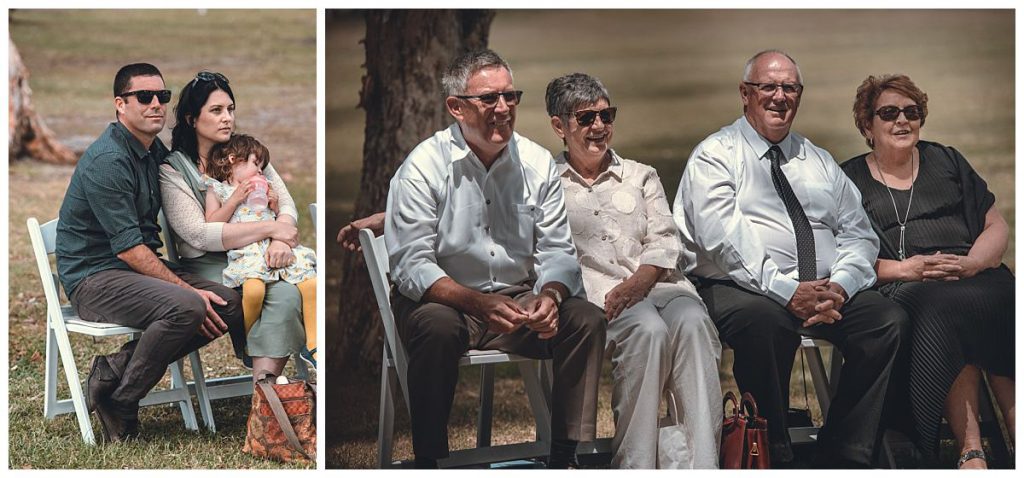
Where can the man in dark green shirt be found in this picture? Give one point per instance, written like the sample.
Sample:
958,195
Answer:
107,241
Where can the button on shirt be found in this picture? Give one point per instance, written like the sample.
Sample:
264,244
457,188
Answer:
735,226
111,205
619,223
448,216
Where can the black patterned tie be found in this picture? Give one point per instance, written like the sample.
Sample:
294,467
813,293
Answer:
805,258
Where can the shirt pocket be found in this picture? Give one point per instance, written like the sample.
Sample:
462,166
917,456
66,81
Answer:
524,225
459,230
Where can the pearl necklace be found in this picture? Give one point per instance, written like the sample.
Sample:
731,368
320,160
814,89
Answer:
902,223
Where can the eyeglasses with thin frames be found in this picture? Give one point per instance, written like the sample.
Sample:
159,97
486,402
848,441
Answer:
768,89
511,98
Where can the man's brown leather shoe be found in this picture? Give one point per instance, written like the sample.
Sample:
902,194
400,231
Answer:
101,382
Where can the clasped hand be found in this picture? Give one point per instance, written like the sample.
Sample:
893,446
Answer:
505,315
817,302
938,267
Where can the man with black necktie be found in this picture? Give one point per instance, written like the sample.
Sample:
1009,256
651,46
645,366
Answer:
779,245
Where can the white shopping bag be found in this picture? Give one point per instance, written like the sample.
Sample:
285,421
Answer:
674,451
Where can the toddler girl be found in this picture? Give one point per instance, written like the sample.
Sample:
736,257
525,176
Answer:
238,192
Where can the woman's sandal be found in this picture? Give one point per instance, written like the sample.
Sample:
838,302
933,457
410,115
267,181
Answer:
307,356
970,455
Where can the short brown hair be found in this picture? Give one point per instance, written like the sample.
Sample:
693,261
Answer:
869,91
239,146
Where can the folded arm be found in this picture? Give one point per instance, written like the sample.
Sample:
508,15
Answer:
187,216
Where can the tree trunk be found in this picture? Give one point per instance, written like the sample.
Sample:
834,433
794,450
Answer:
29,135
406,55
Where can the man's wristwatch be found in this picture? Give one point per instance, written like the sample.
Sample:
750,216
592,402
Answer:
557,296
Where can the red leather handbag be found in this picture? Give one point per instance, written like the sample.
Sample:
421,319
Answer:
744,435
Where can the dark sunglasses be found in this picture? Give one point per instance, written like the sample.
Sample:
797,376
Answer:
512,98
587,117
146,96
890,113
210,76
788,89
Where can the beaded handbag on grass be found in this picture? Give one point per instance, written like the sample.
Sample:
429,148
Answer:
282,421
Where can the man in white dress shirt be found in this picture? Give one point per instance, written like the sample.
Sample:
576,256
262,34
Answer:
780,245
482,258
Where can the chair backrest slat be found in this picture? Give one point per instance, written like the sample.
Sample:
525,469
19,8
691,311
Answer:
44,243
168,238
375,253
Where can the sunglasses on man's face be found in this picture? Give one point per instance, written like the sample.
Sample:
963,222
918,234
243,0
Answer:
146,96
511,98
890,113
587,117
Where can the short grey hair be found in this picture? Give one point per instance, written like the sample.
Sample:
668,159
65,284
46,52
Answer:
454,80
750,63
567,93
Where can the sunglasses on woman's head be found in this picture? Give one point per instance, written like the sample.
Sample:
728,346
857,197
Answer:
146,96
210,76
587,117
890,113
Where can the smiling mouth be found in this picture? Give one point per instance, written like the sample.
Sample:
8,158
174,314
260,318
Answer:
902,132
598,138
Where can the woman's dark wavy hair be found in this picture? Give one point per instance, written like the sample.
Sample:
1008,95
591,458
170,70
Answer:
190,102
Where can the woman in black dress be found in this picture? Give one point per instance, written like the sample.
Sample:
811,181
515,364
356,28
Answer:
942,240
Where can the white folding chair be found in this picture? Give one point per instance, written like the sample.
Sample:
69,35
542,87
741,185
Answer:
826,383
312,214
395,365
60,320
209,389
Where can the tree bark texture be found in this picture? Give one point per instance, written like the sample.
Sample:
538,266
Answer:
29,135
406,55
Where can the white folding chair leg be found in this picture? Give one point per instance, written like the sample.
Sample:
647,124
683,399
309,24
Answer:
50,401
483,421
199,379
75,386
178,384
534,378
818,377
386,430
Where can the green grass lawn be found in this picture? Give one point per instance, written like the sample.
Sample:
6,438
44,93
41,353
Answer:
270,58
674,76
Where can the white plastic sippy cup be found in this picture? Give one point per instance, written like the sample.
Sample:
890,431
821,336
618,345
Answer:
258,197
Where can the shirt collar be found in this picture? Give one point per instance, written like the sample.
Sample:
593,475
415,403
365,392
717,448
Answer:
136,146
789,145
461,150
614,168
